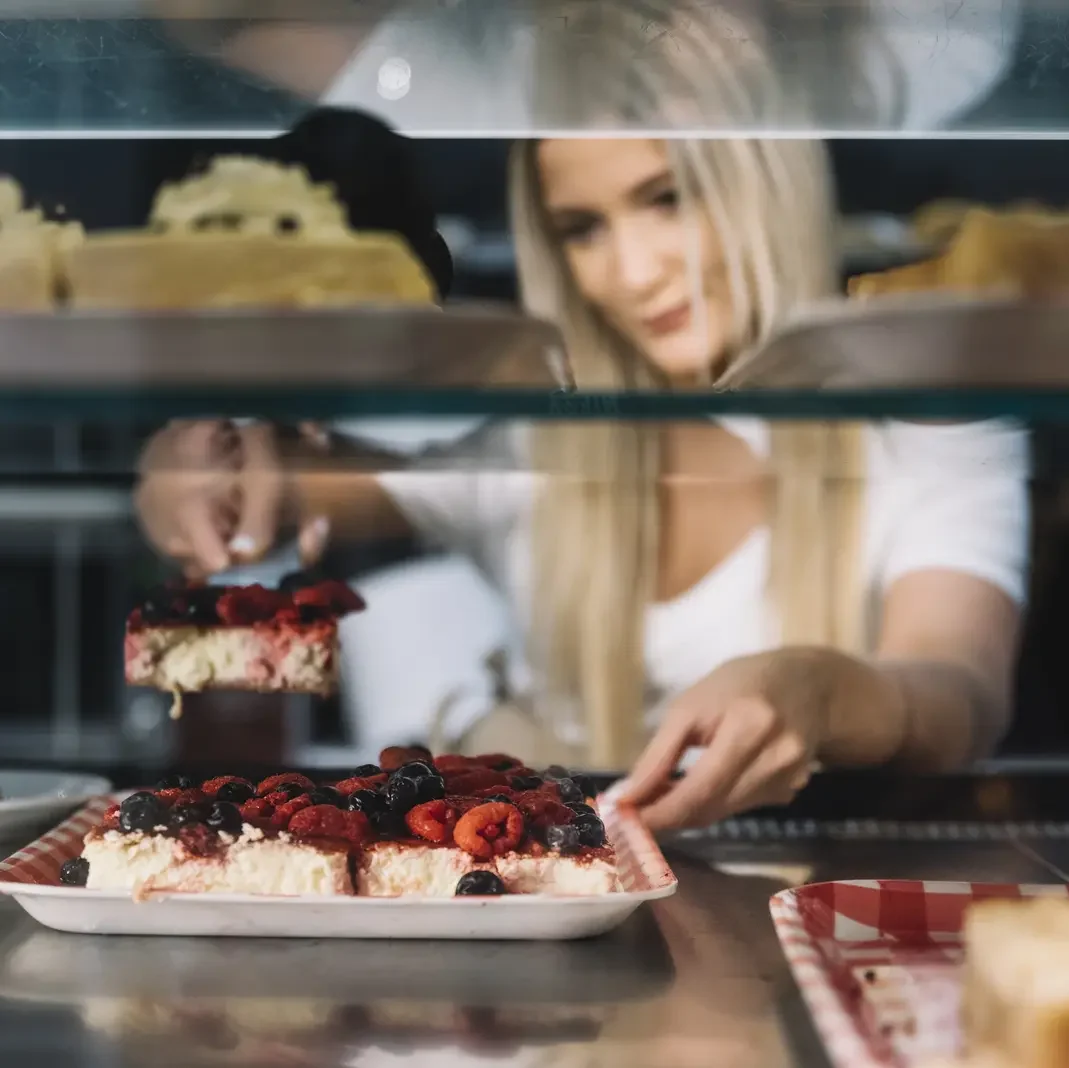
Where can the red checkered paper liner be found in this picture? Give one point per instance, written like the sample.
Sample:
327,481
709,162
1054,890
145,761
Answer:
40,861
640,862
878,963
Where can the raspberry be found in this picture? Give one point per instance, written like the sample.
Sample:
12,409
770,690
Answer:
494,791
211,787
326,821
273,782
432,821
498,762
460,805
453,762
359,782
199,840
245,605
542,810
333,595
489,830
467,782
110,818
392,758
176,796
286,811
259,808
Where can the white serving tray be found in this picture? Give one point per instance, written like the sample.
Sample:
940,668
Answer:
30,800
31,878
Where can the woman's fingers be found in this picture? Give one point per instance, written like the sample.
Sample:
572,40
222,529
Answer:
261,493
739,739
780,771
312,540
200,532
654,767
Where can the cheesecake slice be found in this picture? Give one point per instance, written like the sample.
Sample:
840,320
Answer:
391,830
193,638
1016,987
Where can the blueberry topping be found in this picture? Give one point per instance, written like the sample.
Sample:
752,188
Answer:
503,765
586,785
237,792
365,771
140,812
430,788
224,817
156,607
300,580
188,815
289,790
525,782
564,838
570,791
367,801
415,769
581,809
176,782
591,831
480,884
555,772
200,604
313,613
401,794
75,872
389,824
326,795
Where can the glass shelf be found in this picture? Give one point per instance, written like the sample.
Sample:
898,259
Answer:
463,67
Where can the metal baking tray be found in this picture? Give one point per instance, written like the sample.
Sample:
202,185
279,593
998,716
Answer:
914,343
355,347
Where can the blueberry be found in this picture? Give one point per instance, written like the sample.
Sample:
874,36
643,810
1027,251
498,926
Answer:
570,791
157,606
591,831
300,580
224,817
389,824
586,785
555,772
415,769
187,815
503,765
430,788
366,801
237,792
289,790
480,883
199,604
176,782
313,613
326,795
75,872
365,771
140,812
564,838
525,782
401,794
581,809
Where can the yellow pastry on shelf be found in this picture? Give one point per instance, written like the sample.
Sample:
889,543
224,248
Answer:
247,232
1020,252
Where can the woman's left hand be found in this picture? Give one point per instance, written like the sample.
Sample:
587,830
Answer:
762,722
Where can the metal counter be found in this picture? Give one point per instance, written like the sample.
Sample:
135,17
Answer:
695,980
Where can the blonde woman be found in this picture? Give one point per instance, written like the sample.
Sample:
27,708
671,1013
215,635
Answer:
772,594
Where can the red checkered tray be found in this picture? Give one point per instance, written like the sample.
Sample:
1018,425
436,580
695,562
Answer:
878,963
31,877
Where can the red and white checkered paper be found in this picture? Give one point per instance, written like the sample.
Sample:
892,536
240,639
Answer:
31,876
878,963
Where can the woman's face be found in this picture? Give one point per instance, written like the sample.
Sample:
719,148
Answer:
615,209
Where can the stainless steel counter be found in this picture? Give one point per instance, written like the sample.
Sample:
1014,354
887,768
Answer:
696,980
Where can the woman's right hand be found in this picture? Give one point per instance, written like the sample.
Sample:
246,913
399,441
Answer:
211,495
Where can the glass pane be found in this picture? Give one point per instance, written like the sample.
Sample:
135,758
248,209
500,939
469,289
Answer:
520,67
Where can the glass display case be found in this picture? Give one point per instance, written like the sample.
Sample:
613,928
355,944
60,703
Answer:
934,116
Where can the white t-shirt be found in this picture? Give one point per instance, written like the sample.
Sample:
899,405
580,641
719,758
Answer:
466,67
951,497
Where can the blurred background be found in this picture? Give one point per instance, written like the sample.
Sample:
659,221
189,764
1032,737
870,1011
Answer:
72,561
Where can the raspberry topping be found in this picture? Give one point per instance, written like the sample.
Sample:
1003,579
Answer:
211,787
258,809
326,821
432,821
286,811
359,782
489,830
453,762
273,782
174,797
335,596
467,782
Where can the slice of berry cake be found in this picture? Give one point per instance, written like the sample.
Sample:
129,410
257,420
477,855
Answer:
193,638
411,825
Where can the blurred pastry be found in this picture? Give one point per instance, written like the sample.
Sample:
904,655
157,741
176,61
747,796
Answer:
247,232
30,252
1022,252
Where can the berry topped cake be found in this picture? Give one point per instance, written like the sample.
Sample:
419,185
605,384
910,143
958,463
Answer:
192,638
409,825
